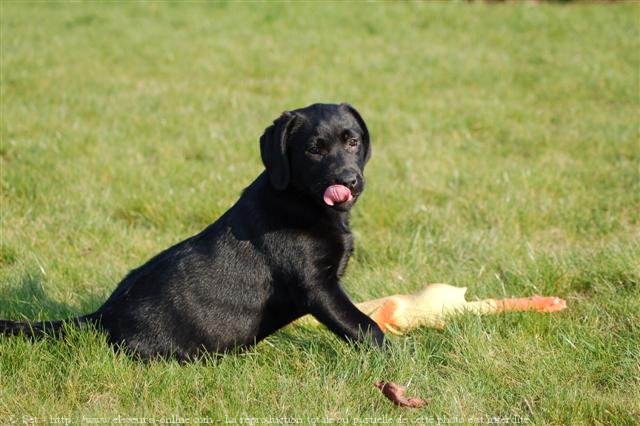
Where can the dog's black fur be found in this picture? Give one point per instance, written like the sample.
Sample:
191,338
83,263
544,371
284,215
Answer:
274,256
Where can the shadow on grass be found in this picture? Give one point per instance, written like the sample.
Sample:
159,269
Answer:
28,301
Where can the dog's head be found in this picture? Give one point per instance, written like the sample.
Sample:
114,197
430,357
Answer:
321,151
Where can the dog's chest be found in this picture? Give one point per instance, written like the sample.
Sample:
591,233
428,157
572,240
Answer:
334,250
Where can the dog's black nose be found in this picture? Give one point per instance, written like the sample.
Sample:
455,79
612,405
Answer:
350,181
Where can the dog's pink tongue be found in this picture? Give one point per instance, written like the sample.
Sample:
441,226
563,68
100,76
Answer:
336,194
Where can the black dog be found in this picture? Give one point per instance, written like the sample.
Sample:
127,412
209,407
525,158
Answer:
276,255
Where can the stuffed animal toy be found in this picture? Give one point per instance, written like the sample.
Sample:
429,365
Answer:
434,303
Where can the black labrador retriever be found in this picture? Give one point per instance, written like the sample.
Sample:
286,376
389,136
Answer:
274,256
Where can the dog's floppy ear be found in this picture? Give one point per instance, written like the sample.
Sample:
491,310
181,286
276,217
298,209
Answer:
363,126
273,150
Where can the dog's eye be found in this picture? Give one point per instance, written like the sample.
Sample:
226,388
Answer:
353,142
316,150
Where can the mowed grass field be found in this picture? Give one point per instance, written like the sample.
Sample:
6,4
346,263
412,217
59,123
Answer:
506,159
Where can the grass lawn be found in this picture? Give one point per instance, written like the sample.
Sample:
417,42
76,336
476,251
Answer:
506,158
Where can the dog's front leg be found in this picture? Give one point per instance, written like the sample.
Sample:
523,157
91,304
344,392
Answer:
331,306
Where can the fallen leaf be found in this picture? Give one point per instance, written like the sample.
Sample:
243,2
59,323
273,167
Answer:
396,392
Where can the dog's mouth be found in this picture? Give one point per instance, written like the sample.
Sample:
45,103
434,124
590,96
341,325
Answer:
337,194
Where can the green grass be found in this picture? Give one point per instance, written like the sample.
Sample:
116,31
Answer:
506,158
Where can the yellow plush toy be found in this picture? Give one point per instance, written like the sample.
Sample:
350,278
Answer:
432,305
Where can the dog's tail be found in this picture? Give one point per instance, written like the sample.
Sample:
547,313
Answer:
41,329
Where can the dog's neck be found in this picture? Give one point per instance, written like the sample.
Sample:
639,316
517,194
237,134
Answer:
298,206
